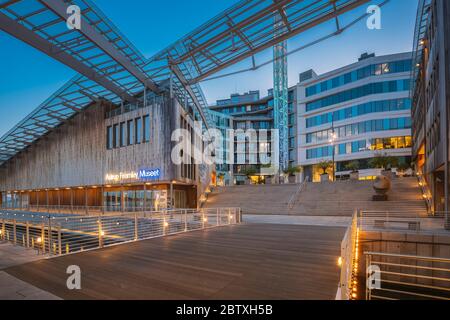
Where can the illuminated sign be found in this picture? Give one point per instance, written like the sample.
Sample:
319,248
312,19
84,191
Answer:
142,174
149,174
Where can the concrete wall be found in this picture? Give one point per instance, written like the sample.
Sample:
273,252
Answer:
76,155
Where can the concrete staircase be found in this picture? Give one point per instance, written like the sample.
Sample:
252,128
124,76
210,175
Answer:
254,199
342,198
319,199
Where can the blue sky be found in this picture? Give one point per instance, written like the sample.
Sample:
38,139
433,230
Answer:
28,77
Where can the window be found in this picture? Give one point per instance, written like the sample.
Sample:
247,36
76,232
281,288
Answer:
372,70
146,128
109,138
122,134
130,132
116,136
372,88
138,127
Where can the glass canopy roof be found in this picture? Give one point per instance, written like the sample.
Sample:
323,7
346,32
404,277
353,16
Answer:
112,70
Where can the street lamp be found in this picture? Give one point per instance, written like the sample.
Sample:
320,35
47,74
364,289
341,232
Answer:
332,141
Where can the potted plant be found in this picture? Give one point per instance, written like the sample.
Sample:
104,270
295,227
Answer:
221,179
291,173
325,166
383,162
353,167
250,172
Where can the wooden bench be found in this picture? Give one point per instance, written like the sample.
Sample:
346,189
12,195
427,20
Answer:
412,225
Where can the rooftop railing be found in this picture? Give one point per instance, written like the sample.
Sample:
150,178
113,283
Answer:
404,221
59,234
406,277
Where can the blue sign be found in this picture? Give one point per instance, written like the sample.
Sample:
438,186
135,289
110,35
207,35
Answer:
149,174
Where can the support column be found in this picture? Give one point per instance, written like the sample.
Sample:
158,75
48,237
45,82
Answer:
59,200
171,196
122,198
46,199
71,201
86,200
145,198
102,200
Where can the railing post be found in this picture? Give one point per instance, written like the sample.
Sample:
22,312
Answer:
136,230
59,241
3,230
203,219
185,220
43,238
165,223
50,235
27,231
15,232
218,216
100,233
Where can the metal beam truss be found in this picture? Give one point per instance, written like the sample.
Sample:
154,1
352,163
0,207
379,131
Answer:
280,95
112,69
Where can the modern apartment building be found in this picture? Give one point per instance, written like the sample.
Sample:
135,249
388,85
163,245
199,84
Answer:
250,111
431,101
356,112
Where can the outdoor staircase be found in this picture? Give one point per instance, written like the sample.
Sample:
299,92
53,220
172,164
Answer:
254,199
319,199
342,198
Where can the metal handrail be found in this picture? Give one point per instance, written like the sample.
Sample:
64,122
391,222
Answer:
426,193
431,281
58,235
416,221
348,261
299,190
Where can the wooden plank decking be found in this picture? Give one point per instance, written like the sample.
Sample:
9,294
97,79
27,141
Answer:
249,261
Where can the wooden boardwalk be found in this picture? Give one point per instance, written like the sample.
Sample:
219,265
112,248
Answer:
249,261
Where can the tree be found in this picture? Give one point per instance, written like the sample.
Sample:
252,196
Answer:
250,172
353,166
380,161
292,170
403,166
325,166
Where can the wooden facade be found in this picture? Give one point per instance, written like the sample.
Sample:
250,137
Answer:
69,166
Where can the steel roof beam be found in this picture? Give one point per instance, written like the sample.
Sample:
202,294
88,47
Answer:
60,9
20,32
267,44
189,90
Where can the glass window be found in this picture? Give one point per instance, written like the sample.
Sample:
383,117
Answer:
146,128
130,132
116,136
122,134
109,137
138,127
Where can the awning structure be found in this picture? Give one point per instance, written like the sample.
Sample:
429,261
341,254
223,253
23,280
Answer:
111,69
